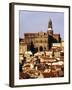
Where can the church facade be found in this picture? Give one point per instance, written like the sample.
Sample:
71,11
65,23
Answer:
42,40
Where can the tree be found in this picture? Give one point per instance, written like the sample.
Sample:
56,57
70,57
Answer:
32,48
41,48
50,41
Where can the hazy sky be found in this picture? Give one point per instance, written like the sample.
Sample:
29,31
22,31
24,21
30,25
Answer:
36,21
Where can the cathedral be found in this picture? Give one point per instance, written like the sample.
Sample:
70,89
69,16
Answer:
42,40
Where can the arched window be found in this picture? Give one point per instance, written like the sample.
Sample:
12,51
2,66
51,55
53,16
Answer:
36,49
41,41
44,48
41,48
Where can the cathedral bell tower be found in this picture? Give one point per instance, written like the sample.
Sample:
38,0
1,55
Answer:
50,28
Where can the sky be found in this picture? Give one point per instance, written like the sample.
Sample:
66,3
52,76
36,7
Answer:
36,21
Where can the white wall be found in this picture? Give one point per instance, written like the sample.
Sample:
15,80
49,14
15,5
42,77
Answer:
4,43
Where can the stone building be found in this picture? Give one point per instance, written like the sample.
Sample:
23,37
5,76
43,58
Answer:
42,40
22,49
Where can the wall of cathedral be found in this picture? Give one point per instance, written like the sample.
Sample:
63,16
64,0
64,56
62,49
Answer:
42,39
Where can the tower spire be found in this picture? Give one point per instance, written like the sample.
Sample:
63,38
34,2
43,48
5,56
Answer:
50,28
50,24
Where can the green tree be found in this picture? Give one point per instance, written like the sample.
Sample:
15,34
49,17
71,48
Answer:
32,48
